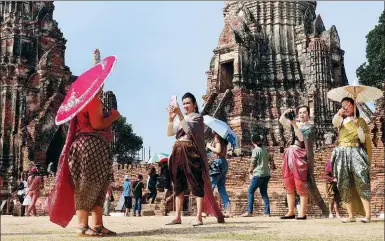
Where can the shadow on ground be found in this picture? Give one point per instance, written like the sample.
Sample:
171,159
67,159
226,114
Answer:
189,230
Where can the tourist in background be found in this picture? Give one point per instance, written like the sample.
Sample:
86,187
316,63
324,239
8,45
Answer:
108,200
296,159
260,165
138,188
188,162
332,191
127,195
51,169
165,179
21,192
351,161
218,169
35,183
151,184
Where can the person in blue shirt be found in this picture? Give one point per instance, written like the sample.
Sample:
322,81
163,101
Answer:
127,196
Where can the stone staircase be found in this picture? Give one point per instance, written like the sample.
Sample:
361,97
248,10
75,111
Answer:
156,209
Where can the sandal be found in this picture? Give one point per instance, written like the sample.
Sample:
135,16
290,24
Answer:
365,220
99,230
196,223
87,232
174,222
348,220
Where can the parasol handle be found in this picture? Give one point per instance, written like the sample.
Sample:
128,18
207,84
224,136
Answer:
355,103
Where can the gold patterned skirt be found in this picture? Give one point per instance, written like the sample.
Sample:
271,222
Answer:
351,167
90,166
332,192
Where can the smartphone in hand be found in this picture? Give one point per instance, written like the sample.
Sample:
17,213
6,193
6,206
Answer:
173,101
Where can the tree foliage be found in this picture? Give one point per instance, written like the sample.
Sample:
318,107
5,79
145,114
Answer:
127,143
372,72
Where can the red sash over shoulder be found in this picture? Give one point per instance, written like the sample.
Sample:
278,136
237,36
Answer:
210,205
60,201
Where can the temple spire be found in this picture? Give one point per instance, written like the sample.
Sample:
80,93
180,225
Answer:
96,56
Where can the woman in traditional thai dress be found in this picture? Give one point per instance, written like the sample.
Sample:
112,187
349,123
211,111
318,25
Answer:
296,159
351,161
188,164
35,183
87,151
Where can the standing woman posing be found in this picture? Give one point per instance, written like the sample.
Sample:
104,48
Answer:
351,161
188,162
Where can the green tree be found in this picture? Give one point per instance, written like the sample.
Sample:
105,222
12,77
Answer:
127,143
372,72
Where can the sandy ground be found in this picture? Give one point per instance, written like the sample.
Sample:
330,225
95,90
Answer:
153,228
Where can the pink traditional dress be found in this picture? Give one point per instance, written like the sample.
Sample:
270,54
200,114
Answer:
297,157
83,171
35,183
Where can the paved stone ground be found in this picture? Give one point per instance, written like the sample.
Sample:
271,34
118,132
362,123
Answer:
153,228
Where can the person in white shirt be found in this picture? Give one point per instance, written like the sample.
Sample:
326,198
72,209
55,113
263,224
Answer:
21,192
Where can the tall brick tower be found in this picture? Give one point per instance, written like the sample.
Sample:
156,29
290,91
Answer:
34,79
273,55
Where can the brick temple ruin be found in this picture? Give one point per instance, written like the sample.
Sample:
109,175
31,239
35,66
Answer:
270,56
274,55
34,81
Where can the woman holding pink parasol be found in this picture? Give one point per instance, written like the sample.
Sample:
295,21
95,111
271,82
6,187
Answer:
85,163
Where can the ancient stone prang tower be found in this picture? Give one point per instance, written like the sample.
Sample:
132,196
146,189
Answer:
34,80
273,55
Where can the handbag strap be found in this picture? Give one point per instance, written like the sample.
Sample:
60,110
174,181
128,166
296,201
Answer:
137,185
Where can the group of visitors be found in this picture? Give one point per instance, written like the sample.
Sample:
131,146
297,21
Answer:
347,173
86,160
28,192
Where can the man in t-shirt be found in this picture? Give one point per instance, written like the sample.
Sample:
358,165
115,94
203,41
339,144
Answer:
137,190
127,196
259,172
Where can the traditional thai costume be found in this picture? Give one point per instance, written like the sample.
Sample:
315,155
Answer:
188,164
35,183
351,161
84,169
332,192
297,157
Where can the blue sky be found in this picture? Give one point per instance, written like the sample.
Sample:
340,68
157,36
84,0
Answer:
164,49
